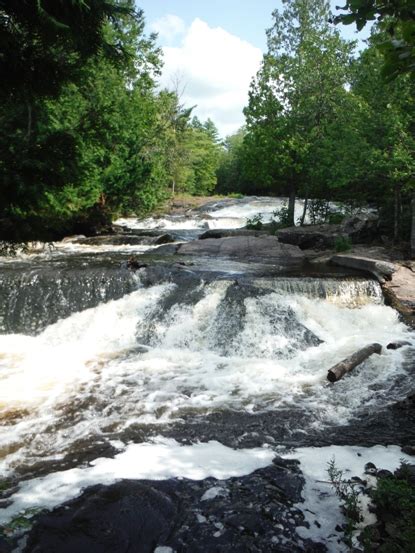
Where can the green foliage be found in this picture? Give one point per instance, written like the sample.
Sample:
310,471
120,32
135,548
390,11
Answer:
255,222
349,496
44,44
343,244
398,20
387,124
300,136
318,211
282,216
394,500
91,136
336,218
20,523
231,174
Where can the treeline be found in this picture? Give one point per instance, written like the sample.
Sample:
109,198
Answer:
85,133
325,122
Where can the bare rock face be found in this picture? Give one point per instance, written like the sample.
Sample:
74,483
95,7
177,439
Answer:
361,227
265,249
380,269
358,228
317,237
225,233
125,239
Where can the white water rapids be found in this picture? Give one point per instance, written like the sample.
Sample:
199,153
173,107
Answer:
86,376
163,352
235,215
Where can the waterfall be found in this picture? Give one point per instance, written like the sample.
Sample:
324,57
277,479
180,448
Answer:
346,291
32,299
171,348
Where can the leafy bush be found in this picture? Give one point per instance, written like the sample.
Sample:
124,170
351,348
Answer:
319,211
336,218
394,499
342,244
254,223
349,496
282,216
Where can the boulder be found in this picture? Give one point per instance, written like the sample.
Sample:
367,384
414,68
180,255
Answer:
125,239
166,249
121,229
225,233
380,269
264,249
317,237
127,516
361,227
398,344
399,292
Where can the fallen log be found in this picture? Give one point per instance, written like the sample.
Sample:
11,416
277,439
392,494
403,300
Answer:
398,344
338,371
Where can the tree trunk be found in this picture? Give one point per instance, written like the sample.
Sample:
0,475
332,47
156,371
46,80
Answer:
304,210
173,186
338,371
413,227
29,121
397,213
291,206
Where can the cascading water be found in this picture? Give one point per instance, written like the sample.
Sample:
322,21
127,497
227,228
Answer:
162,351
94,358
233,215
32,299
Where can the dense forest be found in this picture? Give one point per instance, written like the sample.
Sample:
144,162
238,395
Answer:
87,134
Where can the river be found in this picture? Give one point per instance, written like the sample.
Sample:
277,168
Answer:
189,371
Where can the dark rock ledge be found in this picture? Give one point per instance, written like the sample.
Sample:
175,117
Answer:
250,514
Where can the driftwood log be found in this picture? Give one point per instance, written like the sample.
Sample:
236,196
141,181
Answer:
338,371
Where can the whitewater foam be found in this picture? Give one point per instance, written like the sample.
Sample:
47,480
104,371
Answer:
162,459
90,374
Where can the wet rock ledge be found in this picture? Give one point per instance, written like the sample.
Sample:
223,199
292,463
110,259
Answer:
250,514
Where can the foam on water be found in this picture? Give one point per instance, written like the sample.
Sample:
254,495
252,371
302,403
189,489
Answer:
56,250
321,504
263,207
166,223
228,217
159,460
88,376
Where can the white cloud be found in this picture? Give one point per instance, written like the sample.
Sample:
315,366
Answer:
215,69
168,27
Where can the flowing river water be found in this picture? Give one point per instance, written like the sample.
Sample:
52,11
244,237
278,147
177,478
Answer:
171,371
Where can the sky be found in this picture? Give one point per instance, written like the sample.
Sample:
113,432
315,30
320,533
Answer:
212,49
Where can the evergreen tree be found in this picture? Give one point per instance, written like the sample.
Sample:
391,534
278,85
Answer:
298,97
